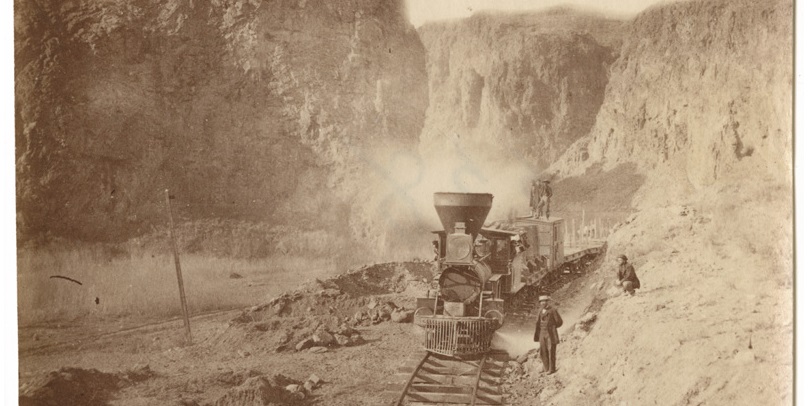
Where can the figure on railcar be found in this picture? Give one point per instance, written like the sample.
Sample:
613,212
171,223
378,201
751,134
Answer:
534,198
544,195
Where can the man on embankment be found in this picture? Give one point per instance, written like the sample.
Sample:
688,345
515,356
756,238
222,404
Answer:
626,277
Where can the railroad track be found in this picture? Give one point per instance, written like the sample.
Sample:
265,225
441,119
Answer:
522,312
441,380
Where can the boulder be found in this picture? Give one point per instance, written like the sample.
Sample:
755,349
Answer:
387,308
139,373
278,308
254,391
356,339
534,366
323,338
345,330
282,380
293,388
317,350
330,292
309,386
305,344
315,379
402,316
342,340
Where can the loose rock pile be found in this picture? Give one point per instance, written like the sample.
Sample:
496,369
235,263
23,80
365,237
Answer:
377,313
258,390
344,336
321,315
74,386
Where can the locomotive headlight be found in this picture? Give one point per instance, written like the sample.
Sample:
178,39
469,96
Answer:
459,248
461,251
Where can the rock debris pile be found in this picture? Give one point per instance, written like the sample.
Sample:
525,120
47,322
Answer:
323,315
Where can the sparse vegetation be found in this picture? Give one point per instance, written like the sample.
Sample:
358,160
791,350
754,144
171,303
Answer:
144,285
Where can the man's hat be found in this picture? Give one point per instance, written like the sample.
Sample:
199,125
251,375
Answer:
623,257
543,298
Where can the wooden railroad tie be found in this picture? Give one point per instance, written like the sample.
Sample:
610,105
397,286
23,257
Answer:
439,380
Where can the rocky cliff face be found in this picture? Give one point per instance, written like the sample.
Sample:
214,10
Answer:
518,86
700,102
254,110
701,89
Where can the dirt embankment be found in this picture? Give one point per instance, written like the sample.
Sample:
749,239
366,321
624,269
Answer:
699,101
258,111
519,86
712,322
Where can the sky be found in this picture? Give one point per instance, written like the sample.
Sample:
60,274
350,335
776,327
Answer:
421,11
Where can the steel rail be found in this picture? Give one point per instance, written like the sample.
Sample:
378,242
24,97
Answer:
478,377
411,378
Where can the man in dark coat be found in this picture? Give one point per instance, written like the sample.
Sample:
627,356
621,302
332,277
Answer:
626,277
547,325
545,194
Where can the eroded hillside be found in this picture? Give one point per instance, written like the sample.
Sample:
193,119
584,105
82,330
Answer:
700,102
248,110
704,88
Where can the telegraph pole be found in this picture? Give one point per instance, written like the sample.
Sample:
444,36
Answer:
177,270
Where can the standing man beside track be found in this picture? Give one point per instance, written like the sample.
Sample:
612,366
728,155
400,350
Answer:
547,325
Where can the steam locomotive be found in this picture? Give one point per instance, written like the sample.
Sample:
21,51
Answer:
483,268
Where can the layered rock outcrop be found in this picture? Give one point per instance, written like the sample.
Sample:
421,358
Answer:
250,110
701,89
517,86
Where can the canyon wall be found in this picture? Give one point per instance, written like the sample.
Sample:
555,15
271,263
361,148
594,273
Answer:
248,110
699,101
702,89
505,87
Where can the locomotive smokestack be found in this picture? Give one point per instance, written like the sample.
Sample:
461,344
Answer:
470,208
